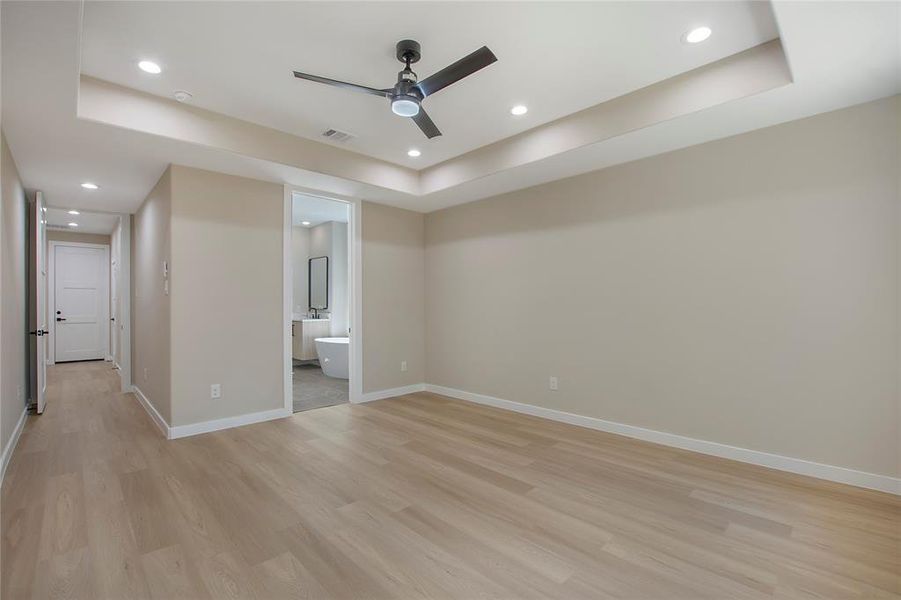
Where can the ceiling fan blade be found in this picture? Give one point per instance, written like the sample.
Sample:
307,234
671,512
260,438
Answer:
425,123
342,84
464,67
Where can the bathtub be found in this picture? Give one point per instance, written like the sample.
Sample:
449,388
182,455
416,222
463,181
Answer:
333,353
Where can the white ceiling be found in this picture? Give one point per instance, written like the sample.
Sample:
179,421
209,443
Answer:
316,210
88,222
55,151
841,53
237,58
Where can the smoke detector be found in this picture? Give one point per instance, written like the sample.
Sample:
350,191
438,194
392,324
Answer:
182,96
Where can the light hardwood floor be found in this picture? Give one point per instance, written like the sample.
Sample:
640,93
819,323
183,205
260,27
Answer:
420,496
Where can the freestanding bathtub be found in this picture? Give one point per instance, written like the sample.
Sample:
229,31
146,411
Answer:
333,353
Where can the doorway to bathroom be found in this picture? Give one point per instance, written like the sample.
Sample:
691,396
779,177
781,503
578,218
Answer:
320,285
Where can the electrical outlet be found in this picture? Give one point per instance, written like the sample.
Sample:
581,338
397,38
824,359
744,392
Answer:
145,373
403,366
215,391
19,394
552,383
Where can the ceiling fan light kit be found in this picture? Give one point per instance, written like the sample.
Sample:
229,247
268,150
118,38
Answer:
408,93
405,106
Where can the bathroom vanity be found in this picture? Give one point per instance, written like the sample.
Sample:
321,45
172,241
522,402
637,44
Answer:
305,332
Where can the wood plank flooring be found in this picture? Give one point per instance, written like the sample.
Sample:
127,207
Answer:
414,497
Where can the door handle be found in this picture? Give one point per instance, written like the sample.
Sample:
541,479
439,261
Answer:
60,319
38,333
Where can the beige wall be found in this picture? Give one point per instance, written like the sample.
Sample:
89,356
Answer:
13,320
329,239
226,294
150,306
744,291
300,254
55,235
393,297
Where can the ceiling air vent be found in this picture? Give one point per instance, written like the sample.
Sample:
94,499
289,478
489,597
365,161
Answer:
337,136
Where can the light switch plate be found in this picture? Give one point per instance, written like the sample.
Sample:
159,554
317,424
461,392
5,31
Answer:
552,383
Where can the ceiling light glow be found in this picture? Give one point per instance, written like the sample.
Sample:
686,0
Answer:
73,224
405,106
89,186
413,153
307,223
697,35
519,109
148,66
74,212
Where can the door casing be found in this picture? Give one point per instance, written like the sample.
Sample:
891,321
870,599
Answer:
355,290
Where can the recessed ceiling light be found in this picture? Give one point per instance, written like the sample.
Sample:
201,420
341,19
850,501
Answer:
74,212
413,153
697,35
148,66
182,96
519,109
307,223
73,224
89,186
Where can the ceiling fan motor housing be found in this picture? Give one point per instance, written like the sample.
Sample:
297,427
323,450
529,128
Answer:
405,98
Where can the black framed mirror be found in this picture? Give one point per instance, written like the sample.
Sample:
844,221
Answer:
317,271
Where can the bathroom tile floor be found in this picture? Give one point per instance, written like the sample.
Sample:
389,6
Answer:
314,389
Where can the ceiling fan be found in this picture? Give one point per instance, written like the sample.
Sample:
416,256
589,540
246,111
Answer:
408,93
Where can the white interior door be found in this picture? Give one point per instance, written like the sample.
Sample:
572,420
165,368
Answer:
38,322
81,297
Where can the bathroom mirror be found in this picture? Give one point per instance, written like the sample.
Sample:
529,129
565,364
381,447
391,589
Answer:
318,280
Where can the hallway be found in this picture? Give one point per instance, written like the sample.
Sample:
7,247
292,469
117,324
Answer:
417,496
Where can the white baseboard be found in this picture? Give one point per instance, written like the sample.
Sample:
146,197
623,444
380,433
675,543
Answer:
12,442
180,431
872,481
391,393
155,416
